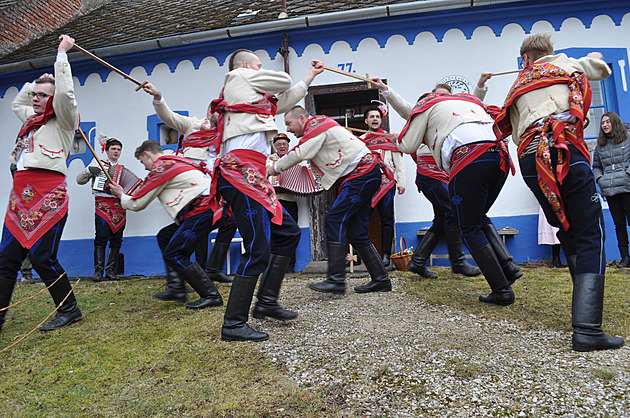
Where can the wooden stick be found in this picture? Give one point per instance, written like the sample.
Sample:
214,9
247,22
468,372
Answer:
98,160
507,72
337,70
111,67
369,132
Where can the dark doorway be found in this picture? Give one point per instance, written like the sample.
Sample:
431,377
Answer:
342,102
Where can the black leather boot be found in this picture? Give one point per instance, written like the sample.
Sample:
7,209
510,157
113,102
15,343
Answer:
175,288
555,256
488,262
6,291
99,264
235,326
379,279
201,251
196,277
214,267
111,268
418,261
68,312
588,303
387,237
269,290
336,281
511,270
458,259
625,258
571,261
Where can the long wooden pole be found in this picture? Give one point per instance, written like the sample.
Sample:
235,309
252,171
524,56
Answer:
369,132
98,160
111,67
506,72
337,70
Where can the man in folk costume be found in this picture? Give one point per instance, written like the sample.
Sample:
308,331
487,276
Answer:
199,144
432,181
458,130
247,107
390,156
109,218
337,154
182,188
38,204
545,112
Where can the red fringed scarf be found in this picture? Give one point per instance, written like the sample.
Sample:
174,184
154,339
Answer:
32,123
110,209
379,142
38,200
201,139
164,169
539,75
464,155
366,165
426,166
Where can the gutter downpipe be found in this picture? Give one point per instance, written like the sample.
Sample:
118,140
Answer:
262,27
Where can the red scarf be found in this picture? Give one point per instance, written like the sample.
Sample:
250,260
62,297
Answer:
110,209
35,121
164,169
265,106
244,169
466,154
426,166
201,139
314,126
38,200
539,75
379,142
435,98
366,165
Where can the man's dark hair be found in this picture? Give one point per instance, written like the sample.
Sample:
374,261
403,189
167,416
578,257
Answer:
148,145
43,80
236,59
298,110
372,109
423,96
442,86
112,141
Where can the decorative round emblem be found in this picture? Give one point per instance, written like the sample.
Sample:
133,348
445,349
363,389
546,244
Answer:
458,84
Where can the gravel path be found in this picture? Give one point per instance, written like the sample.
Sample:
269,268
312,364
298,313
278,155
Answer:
386,354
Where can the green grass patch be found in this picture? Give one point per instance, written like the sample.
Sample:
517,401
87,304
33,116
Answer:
134,355
543,297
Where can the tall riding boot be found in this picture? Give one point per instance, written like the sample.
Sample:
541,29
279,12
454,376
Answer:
555,256
111,268
6,290
68,312
588,303
269,290
99,263
458,259
201,251
235,326
379,280
488,262
336,281
625,258
175,288
196,277
387,236
418,261
214,266
511,270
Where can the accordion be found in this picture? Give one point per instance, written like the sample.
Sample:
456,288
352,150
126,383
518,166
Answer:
121,175
298,179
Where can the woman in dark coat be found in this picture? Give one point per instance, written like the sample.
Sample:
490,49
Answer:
611,166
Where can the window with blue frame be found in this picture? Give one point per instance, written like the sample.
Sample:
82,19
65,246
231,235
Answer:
162,133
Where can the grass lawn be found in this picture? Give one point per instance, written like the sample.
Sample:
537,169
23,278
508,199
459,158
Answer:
133,355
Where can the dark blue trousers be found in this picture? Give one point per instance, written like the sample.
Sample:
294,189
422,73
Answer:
386,209
349,217
104,234
585,236
261,237
43,254
184,238
437,193
473,191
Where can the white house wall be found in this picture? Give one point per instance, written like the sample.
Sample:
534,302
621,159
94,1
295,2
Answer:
410,66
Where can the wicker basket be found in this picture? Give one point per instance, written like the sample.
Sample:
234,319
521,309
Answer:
402,258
